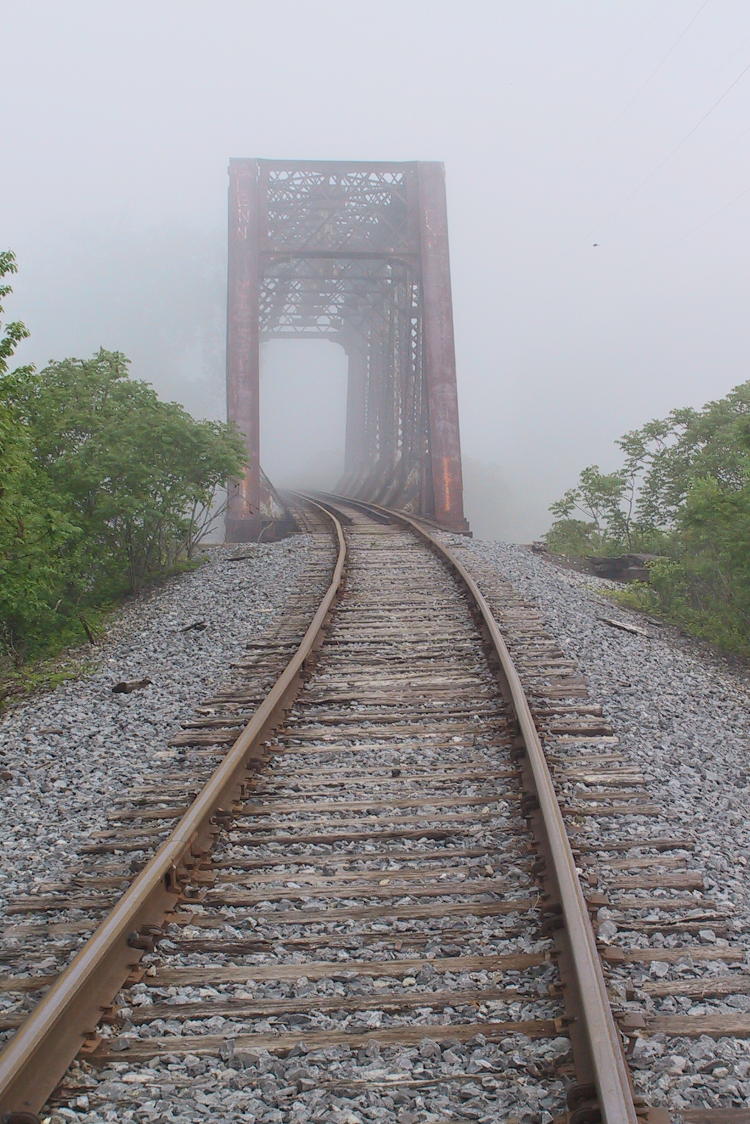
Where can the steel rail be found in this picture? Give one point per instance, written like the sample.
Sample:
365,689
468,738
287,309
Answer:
608,1066
40,1052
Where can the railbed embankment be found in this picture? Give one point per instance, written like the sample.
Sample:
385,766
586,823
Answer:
67,749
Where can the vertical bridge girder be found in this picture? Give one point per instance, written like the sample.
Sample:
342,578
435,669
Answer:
357,253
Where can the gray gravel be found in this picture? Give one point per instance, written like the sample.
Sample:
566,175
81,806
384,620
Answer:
424,1084
345,1085
692,749
681,713
72,750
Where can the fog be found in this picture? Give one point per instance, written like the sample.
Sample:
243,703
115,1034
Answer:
300,380
598,174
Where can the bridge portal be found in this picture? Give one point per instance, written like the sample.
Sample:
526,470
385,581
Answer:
358,253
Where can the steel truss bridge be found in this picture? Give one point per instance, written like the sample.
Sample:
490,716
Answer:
356,253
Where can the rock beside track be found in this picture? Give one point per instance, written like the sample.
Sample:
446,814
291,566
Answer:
71,751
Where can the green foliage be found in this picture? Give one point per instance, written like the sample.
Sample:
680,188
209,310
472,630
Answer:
103,487
33,535
137,474
576,538
41,675
599,496
669,457
684,493
15,331
636,595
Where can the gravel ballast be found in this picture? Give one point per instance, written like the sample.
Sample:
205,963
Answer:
681,718
376,967
680,713
73,750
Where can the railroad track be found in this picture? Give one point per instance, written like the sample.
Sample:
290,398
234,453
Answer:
376,871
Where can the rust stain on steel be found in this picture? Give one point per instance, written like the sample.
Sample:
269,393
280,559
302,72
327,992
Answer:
37,1056
243,345
440,352
609,1071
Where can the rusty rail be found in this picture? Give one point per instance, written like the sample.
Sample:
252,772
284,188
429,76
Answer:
604,1063
38,1055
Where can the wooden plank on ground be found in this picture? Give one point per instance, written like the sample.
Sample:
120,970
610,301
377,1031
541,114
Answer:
358,836
346,858
445,889
693,1026
395,912
671,955
659,862
479,767
677,880
404,938
733,983
325,778
667,904
282,807
633,843
604,811
144,1048
433,820
381,875
326,969
233,1008
715,1115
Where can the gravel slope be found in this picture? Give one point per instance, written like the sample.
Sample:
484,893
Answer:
682,714
65,748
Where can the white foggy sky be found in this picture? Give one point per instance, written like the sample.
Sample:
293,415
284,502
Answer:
118,122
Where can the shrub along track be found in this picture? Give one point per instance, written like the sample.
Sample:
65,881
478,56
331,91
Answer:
381,860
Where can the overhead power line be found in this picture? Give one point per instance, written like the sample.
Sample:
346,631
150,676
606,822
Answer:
689,133
683,140
647,81
664,58
714,214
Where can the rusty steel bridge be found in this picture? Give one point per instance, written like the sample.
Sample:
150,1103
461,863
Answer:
356,253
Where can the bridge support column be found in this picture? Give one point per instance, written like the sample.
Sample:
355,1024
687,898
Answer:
355,408
439,349
243,347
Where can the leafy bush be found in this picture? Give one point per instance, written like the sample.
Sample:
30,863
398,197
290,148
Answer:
103,487
683,493
137,474
576,537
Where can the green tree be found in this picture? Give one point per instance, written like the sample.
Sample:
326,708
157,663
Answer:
14,331
137,474
685,495
102,487
34,531
600,496
673,453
